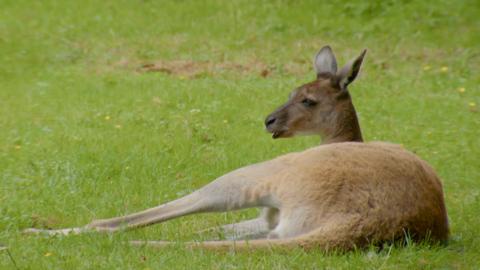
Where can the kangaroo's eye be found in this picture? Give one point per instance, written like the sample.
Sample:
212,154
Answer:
308,102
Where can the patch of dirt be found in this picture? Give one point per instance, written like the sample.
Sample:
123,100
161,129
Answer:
194,69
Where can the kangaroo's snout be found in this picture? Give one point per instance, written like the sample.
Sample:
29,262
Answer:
270,121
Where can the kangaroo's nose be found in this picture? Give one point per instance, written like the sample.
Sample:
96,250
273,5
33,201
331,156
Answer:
269,121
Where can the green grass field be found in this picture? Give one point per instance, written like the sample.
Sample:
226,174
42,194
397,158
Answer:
87,130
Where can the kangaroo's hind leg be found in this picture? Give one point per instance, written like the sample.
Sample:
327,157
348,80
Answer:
232,191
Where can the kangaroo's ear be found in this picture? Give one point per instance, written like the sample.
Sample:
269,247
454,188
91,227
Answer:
350,71
325,61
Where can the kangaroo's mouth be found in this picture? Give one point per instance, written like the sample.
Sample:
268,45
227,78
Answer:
282,133
276,134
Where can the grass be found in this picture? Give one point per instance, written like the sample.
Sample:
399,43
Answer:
84,134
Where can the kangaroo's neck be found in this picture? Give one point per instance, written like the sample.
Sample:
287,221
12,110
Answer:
346,127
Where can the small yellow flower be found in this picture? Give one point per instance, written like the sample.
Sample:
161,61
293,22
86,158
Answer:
444,69
461,89
472,104
426,67
225,121
118,126
107,117
18,146
182,77
48,254
156,100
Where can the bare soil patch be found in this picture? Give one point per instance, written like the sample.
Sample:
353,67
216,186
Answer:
194,69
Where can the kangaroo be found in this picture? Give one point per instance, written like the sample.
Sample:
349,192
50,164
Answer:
341,195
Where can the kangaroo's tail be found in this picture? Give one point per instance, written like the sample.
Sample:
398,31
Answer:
240,245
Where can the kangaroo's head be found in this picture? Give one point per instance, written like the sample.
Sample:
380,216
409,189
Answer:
322,107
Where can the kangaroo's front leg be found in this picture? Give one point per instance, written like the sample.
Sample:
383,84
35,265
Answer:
255,228
229,192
